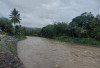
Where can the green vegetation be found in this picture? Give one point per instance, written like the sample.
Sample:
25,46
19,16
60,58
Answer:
11,48
15,16
89,41
2,33
17,30
19,38
6,27
83,29
0,46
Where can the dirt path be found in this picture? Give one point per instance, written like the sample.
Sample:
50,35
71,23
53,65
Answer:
36,52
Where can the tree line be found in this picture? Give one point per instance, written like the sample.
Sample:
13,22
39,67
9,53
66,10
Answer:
10,26
84,26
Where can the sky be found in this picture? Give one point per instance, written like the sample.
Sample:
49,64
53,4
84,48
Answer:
39,13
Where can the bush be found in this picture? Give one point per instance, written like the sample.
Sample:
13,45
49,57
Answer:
56,29
60,37
78,40
19,38
12,49
0,46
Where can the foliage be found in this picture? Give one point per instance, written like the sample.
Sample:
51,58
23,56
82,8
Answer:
29,32
6,27
96,28
36,32
11,48
0,46
19,30
82,29
19,38
48,31
56,29
15,16
78,40
2,32
83,20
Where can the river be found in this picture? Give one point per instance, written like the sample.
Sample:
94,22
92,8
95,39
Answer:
37,52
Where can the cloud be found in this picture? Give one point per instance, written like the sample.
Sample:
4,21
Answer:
38,13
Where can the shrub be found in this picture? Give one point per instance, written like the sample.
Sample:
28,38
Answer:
0,46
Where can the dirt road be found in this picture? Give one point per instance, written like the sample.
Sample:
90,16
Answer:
36,52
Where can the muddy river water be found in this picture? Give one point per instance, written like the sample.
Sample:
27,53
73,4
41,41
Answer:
37,52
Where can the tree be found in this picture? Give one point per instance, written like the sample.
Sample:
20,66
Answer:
6,27
57,29
83,20
15,16
60,28
19,30
48,31
96,27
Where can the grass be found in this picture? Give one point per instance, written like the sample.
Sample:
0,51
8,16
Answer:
2,33
11,48
89,41
0,46
19,38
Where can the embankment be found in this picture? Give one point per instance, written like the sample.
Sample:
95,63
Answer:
8,53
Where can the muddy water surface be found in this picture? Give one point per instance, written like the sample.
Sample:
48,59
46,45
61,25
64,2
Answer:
37,52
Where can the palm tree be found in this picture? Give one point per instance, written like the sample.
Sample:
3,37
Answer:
15,17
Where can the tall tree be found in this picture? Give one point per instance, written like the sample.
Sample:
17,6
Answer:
15,16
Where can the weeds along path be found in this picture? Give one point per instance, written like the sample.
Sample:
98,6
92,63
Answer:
37,52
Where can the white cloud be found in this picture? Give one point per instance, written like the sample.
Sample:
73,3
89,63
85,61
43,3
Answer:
38,13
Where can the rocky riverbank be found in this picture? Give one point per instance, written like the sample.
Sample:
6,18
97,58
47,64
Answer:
8,55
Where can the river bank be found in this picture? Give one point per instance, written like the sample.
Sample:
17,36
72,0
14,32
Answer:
8,55
83,41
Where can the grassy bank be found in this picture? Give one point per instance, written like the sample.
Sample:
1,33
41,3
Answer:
0,46
89,41
12,49
19,38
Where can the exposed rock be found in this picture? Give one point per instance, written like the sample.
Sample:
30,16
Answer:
7,59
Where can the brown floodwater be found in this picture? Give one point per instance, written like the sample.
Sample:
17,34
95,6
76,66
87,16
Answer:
37,52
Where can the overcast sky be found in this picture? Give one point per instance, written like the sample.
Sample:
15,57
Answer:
38,13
